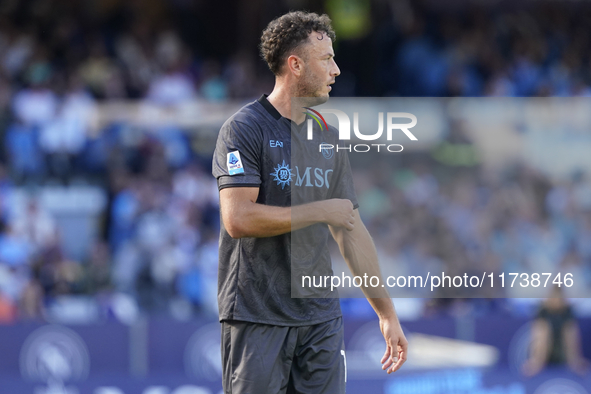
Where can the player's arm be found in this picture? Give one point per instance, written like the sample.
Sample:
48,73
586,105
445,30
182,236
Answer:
244,217
359,252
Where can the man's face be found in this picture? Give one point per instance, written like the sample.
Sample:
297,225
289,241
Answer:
320,69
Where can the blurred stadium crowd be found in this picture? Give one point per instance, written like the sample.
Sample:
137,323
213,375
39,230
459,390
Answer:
59,59
469,220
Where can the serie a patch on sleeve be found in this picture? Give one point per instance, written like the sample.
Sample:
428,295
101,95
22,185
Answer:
235,163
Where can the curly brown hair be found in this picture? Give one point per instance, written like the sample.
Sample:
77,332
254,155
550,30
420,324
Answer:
289,31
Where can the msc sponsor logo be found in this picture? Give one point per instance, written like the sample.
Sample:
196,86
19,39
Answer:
306,177
312,176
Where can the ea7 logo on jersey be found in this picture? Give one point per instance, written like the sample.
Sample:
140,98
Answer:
235,163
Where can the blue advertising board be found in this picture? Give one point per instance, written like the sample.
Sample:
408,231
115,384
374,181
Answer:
164,356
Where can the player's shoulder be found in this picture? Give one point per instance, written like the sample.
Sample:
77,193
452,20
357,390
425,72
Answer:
248,118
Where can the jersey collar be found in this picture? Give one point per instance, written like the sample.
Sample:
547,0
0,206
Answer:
269,107
274,113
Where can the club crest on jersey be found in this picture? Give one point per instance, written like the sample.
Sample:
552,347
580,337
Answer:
282,174
327,150
235,163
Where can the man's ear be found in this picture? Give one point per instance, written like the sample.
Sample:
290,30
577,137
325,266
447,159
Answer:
295,65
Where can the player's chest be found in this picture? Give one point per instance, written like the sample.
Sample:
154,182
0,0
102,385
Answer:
293,163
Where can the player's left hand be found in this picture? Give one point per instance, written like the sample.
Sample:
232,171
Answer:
396,345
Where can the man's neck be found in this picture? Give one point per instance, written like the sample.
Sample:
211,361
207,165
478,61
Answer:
281,99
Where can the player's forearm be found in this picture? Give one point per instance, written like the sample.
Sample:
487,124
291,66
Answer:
360,254
361,257
259,220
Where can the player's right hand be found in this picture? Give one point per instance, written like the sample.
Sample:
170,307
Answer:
339,213
396,345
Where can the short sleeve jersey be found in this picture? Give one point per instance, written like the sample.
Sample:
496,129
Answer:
257,147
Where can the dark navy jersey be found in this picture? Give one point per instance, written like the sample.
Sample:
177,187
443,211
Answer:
257,147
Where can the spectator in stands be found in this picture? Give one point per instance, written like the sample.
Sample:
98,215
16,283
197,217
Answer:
63,138
35,225
555,337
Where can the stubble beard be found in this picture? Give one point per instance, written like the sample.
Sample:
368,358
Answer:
308,92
